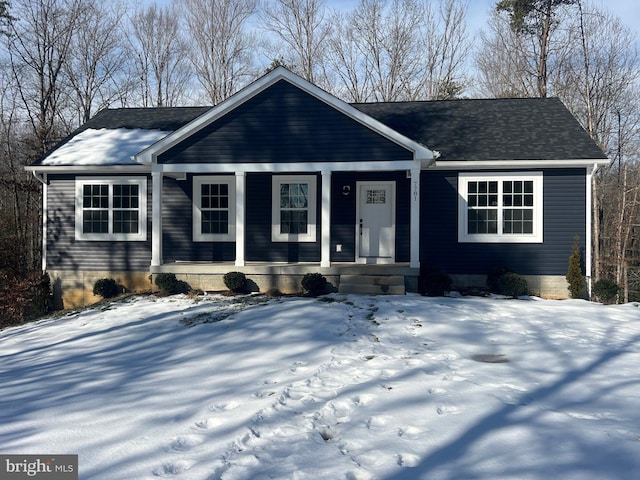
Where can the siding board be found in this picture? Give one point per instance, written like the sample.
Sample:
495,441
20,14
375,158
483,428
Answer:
64,252
284,124
564,218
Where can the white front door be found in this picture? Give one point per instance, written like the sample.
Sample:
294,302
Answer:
376,222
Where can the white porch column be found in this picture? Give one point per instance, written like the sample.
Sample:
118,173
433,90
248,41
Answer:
156,219
414,227
325,222
240,218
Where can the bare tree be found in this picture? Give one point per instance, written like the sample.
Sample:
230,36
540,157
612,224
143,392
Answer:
302,29
159,56
503,67
400,50
535,19
96,61
445,48
39,47
221,45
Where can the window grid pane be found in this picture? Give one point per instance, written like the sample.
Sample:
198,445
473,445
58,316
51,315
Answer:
118,202
215,222
214,202
482,201
517,198
294,204
95,221
293,221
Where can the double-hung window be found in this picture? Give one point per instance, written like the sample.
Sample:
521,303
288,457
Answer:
214,200
500,207
293,208
113,208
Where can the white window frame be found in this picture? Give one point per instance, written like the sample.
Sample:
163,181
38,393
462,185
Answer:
276,182
141,182
464,178
198,181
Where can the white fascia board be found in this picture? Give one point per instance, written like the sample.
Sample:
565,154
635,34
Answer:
515,164
284,167
150,154
84,169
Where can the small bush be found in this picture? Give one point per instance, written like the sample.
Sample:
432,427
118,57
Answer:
434,283
24,297
235,281
606,290
512,285
575,278
314,284
493,278
170,285
106,288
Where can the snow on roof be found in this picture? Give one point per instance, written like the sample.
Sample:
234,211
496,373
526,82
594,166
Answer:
104,147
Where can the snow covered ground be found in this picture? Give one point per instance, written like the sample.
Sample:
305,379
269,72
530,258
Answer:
340,387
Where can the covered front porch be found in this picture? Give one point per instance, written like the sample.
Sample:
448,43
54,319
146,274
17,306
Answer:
286,278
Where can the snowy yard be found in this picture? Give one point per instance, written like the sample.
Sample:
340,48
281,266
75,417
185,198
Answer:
341,387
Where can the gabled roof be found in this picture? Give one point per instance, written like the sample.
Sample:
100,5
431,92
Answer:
502,131
490,129
420,151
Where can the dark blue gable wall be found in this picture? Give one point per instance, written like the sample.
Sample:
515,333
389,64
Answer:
284,124
564,218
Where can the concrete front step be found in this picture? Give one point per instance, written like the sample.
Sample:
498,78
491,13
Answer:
372,284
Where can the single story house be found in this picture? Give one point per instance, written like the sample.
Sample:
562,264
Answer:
283,178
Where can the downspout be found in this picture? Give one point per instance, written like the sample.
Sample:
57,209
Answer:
44,181
589,232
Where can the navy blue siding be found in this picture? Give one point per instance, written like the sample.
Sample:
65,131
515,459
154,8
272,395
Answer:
564,218
343,213
284,124
258,246
177,227
64,252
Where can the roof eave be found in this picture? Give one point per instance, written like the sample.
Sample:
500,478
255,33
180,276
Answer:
533,163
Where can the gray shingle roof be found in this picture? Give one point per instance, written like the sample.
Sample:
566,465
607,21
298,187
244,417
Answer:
160,118
461,130
490,129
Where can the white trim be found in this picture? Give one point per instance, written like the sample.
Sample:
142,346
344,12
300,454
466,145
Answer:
156,219
151,153
198,181
312,199
240,218
516,164
379,260
141,182
45,191
91,170
414,225
536,237
303,167
325,222
588,254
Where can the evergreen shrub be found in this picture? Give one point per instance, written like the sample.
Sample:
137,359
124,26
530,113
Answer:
512,285
314,284
575,278
235,281
170,285
106,288
606,290
434,283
